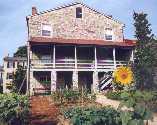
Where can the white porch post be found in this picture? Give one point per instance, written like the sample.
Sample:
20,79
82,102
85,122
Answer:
53,81
54,56
75,57
95,52
32,83
29,53
75,80
132,56
114,58
75,73
95,82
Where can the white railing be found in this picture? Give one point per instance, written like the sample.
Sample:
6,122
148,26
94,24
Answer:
85,64
105,64
65,63
121,63
81,64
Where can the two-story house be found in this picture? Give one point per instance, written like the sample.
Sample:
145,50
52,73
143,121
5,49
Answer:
72,46
10,65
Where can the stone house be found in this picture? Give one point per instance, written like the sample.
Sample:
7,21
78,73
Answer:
73,46
10,65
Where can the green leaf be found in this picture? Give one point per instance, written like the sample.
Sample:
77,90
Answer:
126,117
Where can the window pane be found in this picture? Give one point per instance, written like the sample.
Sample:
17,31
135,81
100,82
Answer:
108,37
9,75
10,65
79,12
46,33
46,30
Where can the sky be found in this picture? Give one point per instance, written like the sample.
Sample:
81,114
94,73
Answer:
13,31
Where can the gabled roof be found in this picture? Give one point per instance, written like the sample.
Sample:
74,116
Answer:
46,40
75,3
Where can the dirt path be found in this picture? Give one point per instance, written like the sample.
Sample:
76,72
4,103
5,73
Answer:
43,111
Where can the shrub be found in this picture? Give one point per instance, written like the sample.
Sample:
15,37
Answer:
14,109
114,95
65,96
93,116
105,116
68,96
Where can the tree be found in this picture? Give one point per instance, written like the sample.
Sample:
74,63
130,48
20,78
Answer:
19,80
144,54
21,52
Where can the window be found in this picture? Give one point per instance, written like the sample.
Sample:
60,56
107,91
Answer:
78,12
108,34
9,75
46,30
10,65
13,64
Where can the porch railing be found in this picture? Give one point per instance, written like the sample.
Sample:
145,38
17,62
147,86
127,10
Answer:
105,64
65,63
70,64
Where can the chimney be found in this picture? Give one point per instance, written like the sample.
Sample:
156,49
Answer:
34,11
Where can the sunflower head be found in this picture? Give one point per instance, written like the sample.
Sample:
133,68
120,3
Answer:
123,75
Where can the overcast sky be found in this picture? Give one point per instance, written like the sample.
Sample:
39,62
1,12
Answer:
13,30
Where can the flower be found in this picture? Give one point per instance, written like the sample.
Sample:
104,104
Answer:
123,75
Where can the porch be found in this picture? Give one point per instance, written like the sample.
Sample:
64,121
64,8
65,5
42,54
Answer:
45,82
79,57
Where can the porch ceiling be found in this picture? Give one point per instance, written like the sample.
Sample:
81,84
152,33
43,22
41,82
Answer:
126,43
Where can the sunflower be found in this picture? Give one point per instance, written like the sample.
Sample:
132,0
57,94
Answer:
123,75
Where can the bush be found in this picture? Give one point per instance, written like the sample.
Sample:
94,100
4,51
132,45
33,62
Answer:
14,109
105,116
114,95
138,96
66,96
93,116
71,96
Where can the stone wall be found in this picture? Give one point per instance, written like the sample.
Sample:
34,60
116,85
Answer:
65,24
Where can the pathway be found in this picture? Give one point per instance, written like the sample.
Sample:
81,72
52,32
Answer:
43,111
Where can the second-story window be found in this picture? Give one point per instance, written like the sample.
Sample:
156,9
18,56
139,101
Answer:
108,34
78,12
46,30
10,65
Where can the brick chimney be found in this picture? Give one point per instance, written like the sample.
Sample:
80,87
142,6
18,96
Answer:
34,11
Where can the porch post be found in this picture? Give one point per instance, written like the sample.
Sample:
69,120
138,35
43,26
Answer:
114,58
95,82
75,80
75,57
28,68
32,82
95,52
54,56
132,56
53,81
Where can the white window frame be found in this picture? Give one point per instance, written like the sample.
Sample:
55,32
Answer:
51,31
109,31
